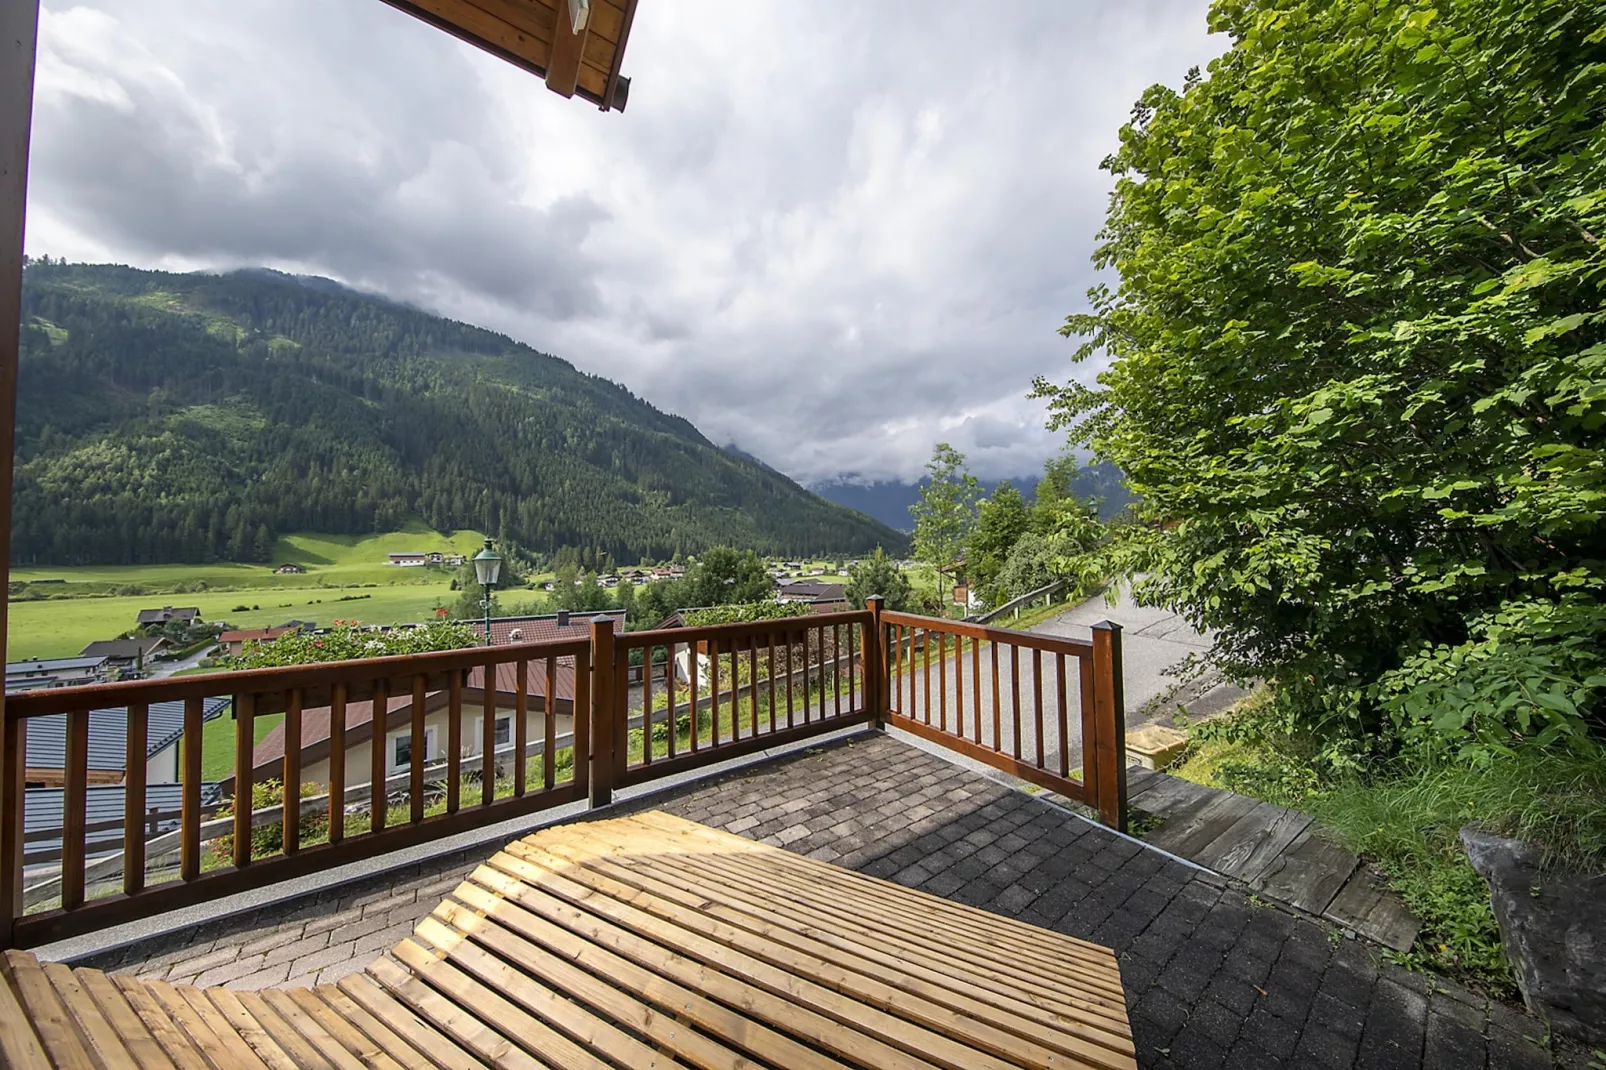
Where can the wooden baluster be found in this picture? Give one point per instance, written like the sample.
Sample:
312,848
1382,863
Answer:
836,668
378,760
959,686
808,679
13,788
134,796
454,741
488,689
290,821
337,763
605,743
942,681
691,689
646,705
713,673
1014,687
580,722
189,819
787,636
998,725
669,691
769,671
75,801
925,650
975,684
1037,700
827,650
752,682
1090,771
1064,719
416,756
521,728
244,749
549,727
853,670
621,713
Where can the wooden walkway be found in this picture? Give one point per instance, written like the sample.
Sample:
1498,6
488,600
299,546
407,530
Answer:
636,942
1272,850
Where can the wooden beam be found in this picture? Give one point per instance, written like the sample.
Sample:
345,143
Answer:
563,72
19,35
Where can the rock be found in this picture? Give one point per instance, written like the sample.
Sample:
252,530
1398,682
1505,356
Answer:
1553,928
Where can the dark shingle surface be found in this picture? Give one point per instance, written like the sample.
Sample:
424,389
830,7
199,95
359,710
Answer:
1212,978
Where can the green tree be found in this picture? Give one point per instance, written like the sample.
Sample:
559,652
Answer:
878,574
1357,341
1000,522
724,576
946,510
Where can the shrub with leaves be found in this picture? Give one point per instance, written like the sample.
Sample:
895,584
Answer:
347,639
1359,347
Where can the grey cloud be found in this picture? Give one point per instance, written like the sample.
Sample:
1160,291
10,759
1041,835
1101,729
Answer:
834,241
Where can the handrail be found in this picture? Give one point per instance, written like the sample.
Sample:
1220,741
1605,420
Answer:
1056,644
1019,601
279,678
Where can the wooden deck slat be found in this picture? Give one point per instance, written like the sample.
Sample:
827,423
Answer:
144,1047
907,1021
1043,948
179,1048
44,1011
444,1014
250,1030
389,1015
645,941
857,921
368,1050
105,1046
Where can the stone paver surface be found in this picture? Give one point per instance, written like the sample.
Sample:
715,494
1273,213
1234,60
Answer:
1213,979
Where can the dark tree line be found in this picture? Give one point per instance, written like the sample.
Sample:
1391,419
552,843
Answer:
193,418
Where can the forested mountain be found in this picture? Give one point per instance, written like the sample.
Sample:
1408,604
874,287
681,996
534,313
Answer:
188,418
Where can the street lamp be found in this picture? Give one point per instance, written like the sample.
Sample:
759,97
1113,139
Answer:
487,567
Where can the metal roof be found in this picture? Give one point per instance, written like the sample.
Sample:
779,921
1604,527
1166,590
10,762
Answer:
42,812
108,734
52,664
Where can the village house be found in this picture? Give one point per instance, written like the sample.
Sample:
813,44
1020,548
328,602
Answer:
108,744
54,672
234,643
124,656
167,615
811,591
289,568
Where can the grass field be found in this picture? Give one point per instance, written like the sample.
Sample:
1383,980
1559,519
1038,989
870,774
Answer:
329,560
63,627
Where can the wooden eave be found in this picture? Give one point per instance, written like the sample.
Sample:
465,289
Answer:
529,34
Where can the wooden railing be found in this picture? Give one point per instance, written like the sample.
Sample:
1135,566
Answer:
748,686
1045,709
433,686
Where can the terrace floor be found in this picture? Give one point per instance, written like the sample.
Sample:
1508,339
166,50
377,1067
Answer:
1212,977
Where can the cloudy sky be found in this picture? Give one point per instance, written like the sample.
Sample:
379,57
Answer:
833,234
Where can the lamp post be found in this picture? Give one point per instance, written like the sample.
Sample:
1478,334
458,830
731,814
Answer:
487,567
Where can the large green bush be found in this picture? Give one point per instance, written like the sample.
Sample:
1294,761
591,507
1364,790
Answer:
1359,365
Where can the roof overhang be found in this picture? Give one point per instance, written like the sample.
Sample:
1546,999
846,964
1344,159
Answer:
577,54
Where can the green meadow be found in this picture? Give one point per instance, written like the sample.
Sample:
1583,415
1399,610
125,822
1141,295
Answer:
346,577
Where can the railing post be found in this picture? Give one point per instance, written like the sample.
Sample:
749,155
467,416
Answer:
19,26
602,741
1109,707
875,669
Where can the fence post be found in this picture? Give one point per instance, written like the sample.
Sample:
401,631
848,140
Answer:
602,741
1109,708
875,669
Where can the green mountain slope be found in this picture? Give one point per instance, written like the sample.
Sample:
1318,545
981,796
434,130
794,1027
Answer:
186,418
